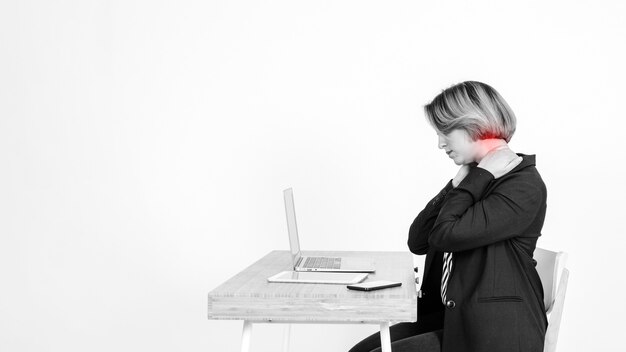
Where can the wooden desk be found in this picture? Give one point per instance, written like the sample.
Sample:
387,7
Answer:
248,296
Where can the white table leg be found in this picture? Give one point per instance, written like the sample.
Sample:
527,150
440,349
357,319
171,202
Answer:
286,337
245,337
385,338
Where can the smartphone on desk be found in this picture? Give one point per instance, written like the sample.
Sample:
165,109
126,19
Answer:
374,285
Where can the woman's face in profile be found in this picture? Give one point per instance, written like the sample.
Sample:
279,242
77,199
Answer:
458,145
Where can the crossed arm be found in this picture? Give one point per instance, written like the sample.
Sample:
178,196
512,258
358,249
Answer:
468,220
459,219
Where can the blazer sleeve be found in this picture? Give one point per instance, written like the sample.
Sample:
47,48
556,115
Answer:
423,223
467,220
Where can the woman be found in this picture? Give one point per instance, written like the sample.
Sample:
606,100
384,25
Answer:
481,291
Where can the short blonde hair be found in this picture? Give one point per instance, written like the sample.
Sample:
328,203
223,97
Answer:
474,107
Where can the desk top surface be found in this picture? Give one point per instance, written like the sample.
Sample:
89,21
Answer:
248,295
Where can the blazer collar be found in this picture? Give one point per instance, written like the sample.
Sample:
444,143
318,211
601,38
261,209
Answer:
527,160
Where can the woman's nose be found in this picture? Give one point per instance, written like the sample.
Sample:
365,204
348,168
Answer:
441,142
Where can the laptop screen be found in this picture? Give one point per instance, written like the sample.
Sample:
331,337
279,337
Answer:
292,228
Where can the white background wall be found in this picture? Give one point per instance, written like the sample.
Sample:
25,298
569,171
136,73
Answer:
145,144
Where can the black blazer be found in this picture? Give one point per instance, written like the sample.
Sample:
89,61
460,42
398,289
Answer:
491,226
430,300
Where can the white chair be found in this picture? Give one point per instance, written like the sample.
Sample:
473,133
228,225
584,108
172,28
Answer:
551,269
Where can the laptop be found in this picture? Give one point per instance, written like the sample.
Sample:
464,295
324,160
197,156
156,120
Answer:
307,277
307,263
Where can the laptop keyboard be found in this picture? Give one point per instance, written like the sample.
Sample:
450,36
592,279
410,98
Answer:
322,263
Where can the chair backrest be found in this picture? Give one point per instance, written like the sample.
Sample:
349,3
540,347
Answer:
550,265
554,320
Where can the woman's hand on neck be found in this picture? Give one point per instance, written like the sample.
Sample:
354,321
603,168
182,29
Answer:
484,146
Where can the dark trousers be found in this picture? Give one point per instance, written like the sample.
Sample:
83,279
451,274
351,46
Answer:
423,335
